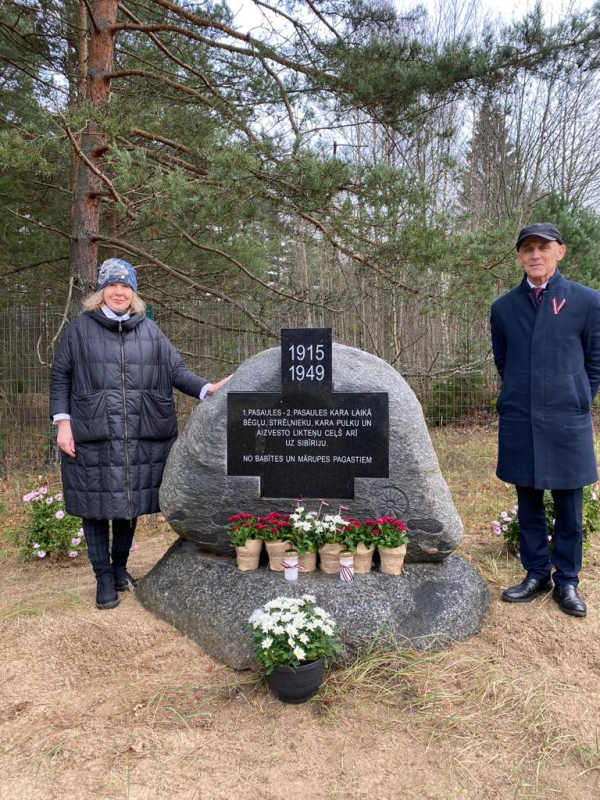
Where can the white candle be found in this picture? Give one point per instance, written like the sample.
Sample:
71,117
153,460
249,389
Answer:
346,566
290,565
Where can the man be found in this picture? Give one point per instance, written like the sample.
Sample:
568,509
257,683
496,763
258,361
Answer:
546,343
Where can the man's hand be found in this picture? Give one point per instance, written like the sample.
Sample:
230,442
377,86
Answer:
214,387
64,438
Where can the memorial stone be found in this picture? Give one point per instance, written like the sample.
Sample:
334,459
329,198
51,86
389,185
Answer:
311,421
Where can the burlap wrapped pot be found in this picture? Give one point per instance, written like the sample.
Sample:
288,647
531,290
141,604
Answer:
392,559
330,558
363,558
248,555
308,561
276,551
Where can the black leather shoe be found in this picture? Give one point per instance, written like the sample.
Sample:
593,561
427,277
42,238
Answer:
525,591
123,580
568,600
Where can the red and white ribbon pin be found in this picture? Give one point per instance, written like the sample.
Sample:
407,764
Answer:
556,307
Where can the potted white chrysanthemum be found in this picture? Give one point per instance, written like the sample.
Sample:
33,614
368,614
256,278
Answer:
293,637
331,530
303,536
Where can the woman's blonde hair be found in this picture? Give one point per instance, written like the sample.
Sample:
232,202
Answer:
95,301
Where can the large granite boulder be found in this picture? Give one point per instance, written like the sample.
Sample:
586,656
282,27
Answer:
197,587
197,495
208,599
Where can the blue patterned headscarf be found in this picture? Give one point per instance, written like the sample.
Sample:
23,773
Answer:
115,270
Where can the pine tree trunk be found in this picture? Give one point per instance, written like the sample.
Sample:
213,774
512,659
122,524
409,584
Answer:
88,188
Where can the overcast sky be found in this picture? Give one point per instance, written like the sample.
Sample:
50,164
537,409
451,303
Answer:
248,14
513,9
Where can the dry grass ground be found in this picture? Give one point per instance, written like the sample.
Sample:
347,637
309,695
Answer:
119,705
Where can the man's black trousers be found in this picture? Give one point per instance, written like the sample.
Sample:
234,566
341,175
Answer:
536,556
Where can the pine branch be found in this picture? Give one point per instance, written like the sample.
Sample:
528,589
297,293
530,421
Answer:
231,112
39,224
247,272
164,158
97,172
191,282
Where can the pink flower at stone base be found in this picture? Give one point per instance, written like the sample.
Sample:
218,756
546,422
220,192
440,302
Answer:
59,514
73,554
76,540
134,547
58,497
495,523
41,554
496,530
43,490
49,501
594,496
505,527
36,546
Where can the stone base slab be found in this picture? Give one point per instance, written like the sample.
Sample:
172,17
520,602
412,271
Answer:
207,598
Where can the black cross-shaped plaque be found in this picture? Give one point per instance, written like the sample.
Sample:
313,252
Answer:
307,440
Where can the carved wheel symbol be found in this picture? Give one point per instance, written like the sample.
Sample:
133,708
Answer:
395,502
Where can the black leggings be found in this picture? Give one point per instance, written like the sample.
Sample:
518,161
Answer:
96,537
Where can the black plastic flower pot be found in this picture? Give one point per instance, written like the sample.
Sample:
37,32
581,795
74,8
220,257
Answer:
297,685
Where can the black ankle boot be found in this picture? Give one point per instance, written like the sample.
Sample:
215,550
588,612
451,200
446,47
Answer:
123,580
106,594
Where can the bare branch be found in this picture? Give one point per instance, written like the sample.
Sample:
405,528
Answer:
154,137
65,321
258,47
247,272
99,174
351,254
200,320
25,267
142,73
129,248
91,15
39,224
284,97
318,14
231,113
164,158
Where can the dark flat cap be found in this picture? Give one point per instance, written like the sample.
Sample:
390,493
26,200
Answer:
545,230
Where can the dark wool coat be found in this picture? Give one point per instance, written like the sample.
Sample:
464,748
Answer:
549,363
116,381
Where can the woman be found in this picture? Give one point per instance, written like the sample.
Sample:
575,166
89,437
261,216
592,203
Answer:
111,395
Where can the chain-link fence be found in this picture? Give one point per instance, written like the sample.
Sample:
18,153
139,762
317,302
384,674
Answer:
445,358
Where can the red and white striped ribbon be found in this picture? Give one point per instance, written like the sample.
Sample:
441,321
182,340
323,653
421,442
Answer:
556,307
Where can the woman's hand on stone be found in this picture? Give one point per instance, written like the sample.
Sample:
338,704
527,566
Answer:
64,438
214,387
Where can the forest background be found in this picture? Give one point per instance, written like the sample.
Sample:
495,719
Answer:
334,163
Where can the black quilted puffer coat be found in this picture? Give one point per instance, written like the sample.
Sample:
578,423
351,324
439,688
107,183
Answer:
116,381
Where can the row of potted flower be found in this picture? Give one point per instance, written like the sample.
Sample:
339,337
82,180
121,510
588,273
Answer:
309,533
